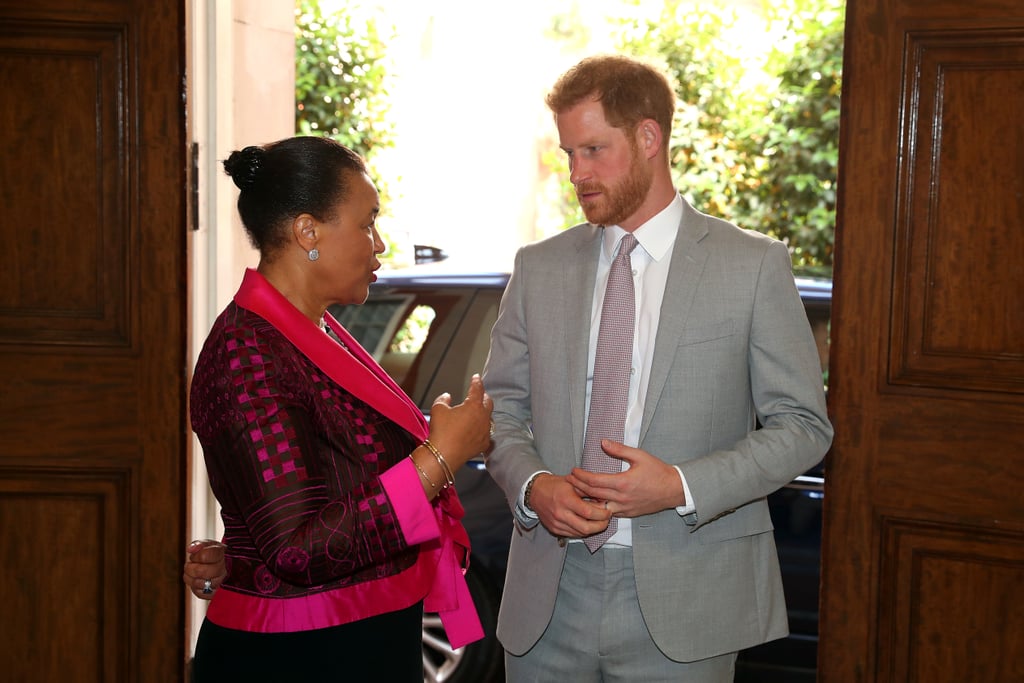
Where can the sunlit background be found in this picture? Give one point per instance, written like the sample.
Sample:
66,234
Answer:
467,80
473,166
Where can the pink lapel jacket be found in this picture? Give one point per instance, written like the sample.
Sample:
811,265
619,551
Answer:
266,603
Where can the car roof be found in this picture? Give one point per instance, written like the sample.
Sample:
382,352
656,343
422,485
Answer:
396,279
814,288
430,275
442,274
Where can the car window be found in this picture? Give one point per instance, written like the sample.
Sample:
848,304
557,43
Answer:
468,349
429,341
375,323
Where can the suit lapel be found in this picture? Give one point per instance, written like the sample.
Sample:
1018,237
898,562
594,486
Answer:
688,259
580,273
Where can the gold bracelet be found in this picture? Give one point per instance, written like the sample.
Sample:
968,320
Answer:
448,476
423,472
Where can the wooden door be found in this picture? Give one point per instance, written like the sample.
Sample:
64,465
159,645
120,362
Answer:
92,343
923,559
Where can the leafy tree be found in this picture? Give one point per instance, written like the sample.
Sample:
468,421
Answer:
801,145
341,82
340,78
713,150
759,151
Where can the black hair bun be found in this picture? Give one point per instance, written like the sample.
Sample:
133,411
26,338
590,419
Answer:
244,166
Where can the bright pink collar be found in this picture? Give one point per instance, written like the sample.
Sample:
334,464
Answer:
356,370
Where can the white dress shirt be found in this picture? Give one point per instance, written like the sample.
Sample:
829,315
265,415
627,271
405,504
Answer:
650,262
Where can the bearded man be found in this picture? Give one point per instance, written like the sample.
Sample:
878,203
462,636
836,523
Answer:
654,378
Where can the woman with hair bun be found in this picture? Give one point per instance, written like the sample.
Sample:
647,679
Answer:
341,524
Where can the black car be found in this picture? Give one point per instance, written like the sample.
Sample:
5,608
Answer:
429,328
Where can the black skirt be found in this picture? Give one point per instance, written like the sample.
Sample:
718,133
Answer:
382,648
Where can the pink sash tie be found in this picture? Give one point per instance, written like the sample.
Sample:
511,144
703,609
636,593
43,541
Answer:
449,591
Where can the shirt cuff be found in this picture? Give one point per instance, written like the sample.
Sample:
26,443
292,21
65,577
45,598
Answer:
689,507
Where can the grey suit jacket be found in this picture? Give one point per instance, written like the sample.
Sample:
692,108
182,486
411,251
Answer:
733,348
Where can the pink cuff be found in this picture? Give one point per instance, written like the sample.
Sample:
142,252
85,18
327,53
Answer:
415,515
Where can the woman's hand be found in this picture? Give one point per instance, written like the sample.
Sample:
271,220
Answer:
462,431
205,563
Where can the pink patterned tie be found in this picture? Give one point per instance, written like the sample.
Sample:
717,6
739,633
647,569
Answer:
609,390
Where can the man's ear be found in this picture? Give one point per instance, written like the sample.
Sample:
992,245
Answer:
305,231
649,137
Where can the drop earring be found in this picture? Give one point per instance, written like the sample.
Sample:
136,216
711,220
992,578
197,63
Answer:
313,254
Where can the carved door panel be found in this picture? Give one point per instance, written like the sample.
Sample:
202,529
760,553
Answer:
92,350
923,559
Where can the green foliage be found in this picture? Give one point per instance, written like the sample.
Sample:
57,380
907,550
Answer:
340,77
714,134
754,144
568,28
341,82
801,145
413,333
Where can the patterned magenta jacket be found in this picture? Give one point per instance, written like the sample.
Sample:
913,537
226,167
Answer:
305,442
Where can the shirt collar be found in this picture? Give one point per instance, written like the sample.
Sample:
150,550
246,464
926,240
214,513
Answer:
656,236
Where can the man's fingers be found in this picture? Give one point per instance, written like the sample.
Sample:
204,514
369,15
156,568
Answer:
590,484
586,520
616,450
